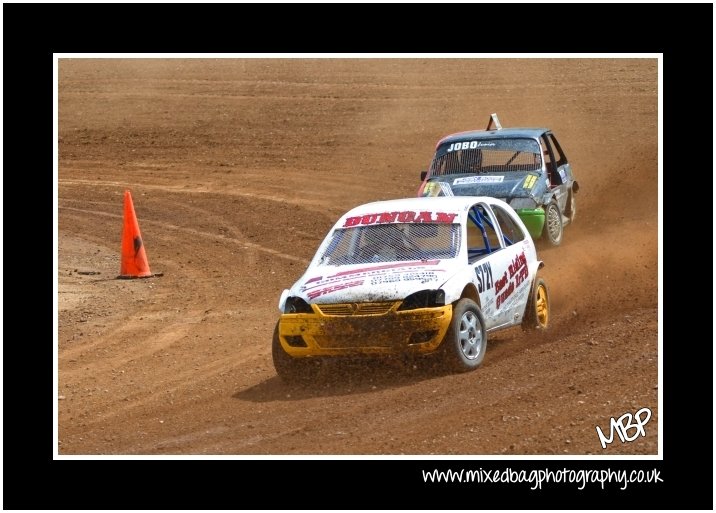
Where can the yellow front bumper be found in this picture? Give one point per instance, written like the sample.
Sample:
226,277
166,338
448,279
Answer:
364,328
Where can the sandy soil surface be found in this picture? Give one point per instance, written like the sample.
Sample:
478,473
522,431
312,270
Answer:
238,168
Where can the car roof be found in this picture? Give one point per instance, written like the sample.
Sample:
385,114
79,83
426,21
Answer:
503,133
457,204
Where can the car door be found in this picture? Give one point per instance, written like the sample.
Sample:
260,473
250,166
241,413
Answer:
494,256
559,171
564,169
513,296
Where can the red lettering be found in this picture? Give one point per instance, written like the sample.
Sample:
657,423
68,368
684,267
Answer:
425,217
333,288
444,217
518,263
501,283
406,217
520,276
387,217
369,219
502,296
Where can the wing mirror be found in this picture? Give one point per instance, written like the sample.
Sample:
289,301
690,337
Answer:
423,174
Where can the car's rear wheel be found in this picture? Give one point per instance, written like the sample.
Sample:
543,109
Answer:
553,228
463,348
538,308
572,207
290,369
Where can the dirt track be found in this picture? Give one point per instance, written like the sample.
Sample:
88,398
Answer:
238,168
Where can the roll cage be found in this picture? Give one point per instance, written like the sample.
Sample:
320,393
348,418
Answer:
484,242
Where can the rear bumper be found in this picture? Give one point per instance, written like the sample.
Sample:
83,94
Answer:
394,332
533,219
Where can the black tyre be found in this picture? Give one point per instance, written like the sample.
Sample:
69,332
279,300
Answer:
466,339
290,369
537,312
553,229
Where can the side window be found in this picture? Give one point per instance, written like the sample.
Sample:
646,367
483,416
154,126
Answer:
552,176
482,236
558,153
511,232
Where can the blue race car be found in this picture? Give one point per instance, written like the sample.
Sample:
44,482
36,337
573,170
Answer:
525,167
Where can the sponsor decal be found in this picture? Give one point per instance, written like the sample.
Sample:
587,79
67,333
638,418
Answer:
408,216
385,278
434,189
529,182
478,179
387,266
469,145
445,189
410,272
333,288
422,277
512,278
563,174
518,263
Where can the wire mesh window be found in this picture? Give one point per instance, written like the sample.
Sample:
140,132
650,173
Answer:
503,155
392,242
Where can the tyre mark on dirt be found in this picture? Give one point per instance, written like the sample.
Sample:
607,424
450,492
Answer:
137,396
245,244
303,202
127,333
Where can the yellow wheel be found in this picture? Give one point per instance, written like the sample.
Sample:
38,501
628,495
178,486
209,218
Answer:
542,305
537,310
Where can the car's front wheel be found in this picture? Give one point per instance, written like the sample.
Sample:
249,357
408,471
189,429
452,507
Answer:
553,228
463,348
290,369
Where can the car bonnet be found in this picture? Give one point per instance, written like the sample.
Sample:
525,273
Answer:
385,281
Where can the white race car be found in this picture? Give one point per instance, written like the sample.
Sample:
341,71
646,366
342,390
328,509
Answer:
412,276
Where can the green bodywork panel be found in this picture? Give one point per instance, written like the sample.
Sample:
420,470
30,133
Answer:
533,219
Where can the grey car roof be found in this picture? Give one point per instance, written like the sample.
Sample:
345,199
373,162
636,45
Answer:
532,133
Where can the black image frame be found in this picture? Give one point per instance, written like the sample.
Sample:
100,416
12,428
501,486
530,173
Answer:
32,33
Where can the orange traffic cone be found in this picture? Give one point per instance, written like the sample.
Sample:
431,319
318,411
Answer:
134,257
